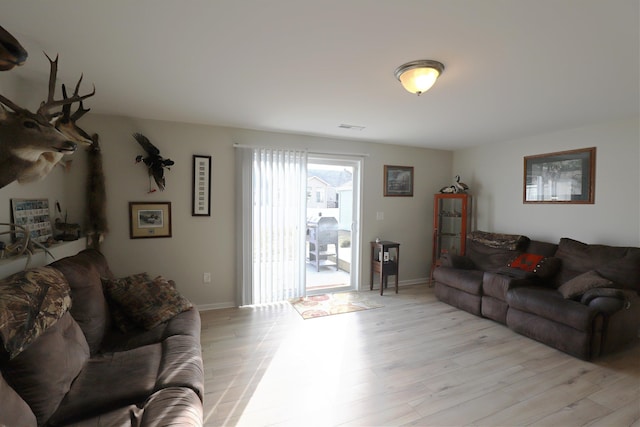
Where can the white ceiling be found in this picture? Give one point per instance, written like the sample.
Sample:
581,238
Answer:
513,67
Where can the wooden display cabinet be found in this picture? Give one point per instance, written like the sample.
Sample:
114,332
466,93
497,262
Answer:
451,223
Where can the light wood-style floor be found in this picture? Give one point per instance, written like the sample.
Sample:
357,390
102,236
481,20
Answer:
416,361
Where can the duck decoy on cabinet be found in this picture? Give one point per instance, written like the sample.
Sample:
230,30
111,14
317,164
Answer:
449,189
461,187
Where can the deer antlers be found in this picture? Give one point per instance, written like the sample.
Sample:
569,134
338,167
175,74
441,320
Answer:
65,102
32,143
43,114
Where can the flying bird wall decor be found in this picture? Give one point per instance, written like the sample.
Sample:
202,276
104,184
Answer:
460,186
154,162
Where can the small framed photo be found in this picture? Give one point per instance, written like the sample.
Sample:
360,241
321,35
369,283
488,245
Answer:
562,177
33,215
148,220
201,198
398,181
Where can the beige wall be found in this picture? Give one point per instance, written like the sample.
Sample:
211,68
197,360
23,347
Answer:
208,244
495,174
201,244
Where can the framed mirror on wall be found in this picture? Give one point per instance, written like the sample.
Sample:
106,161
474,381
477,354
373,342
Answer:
562,177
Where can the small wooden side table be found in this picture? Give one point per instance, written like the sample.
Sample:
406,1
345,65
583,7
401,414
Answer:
384,268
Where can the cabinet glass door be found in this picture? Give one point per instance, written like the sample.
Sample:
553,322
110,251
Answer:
449,226
451,223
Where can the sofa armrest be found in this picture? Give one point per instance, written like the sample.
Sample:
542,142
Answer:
608,300
457,261
173,406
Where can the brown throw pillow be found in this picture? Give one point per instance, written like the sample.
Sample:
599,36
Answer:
582,283
147,302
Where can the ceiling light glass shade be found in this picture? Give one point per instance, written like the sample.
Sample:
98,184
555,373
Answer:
418,76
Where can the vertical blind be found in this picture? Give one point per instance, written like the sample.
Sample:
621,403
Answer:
274,206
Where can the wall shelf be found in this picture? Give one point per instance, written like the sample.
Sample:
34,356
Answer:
9,266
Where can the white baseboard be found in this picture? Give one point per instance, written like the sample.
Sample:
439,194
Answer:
230,304
419,281
216,306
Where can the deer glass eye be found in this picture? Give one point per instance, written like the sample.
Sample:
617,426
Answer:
30,124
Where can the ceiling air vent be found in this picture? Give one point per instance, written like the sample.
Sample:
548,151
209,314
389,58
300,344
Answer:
351,127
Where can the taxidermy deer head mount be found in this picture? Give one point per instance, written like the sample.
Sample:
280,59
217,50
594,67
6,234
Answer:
12,54
31,144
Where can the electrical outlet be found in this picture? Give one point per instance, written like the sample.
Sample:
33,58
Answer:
379,216
206,278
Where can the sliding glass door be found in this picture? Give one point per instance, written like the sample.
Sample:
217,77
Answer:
299,229
332,223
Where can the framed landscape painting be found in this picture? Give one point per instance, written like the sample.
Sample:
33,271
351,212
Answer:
562,177
148,220
398,181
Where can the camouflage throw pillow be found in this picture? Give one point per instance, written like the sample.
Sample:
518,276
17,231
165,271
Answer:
118,315
147,302
30,302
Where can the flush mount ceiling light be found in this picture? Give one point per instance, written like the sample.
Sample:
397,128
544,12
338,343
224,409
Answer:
418,76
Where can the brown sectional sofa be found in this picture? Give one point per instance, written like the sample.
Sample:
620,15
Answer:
82,370
578,298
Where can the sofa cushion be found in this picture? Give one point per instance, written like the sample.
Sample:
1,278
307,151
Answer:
547,267
469,281
109,381
578,257
486,258
457,298
43,373
126,416
497,285
549,304
582,283
30,302
541,248
90,309
186,323
147,303
624,271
